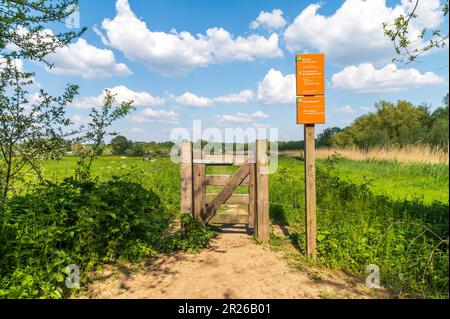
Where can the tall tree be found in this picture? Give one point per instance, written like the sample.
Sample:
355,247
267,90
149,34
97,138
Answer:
120,144
32,128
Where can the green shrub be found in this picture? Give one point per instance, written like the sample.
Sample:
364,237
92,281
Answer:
193,236
85,224
407,239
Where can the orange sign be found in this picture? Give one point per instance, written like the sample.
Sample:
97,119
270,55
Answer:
310,74
311,109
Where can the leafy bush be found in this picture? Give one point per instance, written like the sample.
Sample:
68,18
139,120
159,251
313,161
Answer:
407,239
85,224
193,236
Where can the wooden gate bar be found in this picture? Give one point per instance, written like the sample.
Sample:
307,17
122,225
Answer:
186,191
221,180
234,199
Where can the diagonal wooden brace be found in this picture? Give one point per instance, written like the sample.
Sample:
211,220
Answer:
226,192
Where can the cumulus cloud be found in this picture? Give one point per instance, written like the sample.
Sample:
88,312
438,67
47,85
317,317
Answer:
243,117
242,97
83,59
354,33
177,53
150,115
270,20
366,78
277,88
123,94
346,109
190,99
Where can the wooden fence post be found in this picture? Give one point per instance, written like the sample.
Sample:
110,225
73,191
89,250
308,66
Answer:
310,190
252,196
199,190
186,178
262,194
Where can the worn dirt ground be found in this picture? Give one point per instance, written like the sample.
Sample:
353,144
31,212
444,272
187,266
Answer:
234,267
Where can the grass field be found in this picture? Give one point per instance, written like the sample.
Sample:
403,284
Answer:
369,212
396,180
400,181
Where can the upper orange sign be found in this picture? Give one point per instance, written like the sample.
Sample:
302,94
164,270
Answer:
310,74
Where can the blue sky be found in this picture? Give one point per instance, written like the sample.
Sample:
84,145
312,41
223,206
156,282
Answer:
231,63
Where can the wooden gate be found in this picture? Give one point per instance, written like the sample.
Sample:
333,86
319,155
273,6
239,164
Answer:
251,209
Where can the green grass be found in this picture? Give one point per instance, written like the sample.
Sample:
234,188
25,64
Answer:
368,212
399,181
388,223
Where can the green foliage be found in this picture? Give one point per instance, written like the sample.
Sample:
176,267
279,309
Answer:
23,23
406,238
290,145
324,139
120,144
82,223
100,121
193,236
32,130
396,125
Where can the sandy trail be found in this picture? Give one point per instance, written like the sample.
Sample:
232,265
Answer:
234,267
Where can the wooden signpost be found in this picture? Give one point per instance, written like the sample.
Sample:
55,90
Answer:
310,75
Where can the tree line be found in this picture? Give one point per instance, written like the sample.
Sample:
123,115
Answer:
395,125
391,125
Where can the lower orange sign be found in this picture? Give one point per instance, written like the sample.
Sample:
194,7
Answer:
311,109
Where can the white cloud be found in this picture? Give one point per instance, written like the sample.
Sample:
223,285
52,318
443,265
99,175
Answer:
190,99
366,78
277,88
243,117
177,53
354,33
271,20
346,109
242,97
150,115
83,59
123,94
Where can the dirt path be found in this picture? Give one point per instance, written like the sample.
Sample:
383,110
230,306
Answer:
234,267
